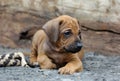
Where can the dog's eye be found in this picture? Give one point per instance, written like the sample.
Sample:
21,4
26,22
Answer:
67,33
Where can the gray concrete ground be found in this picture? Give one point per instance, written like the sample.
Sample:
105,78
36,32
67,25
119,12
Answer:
97,67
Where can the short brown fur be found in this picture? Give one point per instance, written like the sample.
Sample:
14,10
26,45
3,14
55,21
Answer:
49,44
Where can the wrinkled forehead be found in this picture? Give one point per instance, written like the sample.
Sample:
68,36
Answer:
70,24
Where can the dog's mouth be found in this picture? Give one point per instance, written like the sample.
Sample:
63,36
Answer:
73,48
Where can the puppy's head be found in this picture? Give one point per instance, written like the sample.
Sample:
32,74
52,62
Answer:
64,33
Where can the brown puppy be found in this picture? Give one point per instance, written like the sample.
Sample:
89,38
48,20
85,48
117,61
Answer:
59,45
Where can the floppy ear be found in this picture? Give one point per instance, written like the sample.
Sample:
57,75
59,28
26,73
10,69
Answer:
52,29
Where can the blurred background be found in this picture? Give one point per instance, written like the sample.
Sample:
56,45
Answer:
100,20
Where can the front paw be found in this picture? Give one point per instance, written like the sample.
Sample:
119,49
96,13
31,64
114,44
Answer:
66,70
70,69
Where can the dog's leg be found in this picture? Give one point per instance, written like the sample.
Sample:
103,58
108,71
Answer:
45,62
75,65
81,54
33,55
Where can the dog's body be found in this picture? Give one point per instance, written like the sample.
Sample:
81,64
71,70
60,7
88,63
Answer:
58,45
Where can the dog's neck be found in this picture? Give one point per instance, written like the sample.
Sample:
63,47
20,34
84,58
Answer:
49,47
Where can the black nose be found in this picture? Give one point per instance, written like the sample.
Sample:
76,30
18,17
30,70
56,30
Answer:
79,45
74,47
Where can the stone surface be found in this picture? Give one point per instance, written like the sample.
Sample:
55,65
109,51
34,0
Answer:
97,67
100,19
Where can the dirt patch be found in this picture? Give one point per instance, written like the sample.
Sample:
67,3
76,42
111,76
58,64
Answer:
97,67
